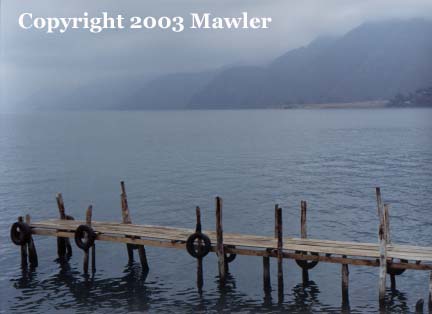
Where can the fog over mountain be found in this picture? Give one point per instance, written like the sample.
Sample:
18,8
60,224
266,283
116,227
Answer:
374,61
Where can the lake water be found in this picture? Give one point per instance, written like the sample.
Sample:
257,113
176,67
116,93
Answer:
173,161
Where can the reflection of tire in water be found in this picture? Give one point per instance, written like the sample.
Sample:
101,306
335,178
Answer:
195,250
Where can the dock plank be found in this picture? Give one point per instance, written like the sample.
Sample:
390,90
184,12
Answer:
159,234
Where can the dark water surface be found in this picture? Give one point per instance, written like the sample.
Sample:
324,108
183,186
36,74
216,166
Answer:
173,161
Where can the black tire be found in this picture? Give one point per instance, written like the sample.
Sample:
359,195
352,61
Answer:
81,233
20,233
306,264
396,272
230,257
204,249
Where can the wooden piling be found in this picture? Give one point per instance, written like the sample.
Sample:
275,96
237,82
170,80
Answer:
93,258
387,222
126,217
127,220
279,233
388,241
276,236
93,248
393,282
220,251
125,206
200,281
303,227
266,274
419,306
383,248
64,247
60,205
32,254
345,283
143,258
86,252
303,234
23,249
430,293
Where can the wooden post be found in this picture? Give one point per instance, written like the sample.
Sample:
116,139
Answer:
303,228
32,254
86,252
220,251
303,233
266,274
93,248
419,306
430,292
93,258
143,258
382,267
383,248
127,220
126,217
60,205
345,282
23,249
388,240
387,222
199,260
64,247
61,242
393,282
125,206
279,233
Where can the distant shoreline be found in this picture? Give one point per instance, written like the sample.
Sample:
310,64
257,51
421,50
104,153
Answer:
346,105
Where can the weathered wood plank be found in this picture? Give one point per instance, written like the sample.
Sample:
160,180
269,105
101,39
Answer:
240,251
310,245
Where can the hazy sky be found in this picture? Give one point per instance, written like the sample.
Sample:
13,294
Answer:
32,61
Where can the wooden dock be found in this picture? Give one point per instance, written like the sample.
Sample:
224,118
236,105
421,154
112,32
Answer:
357,253
390,258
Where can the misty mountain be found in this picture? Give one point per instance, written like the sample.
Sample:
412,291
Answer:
372,62
105,94
169,92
